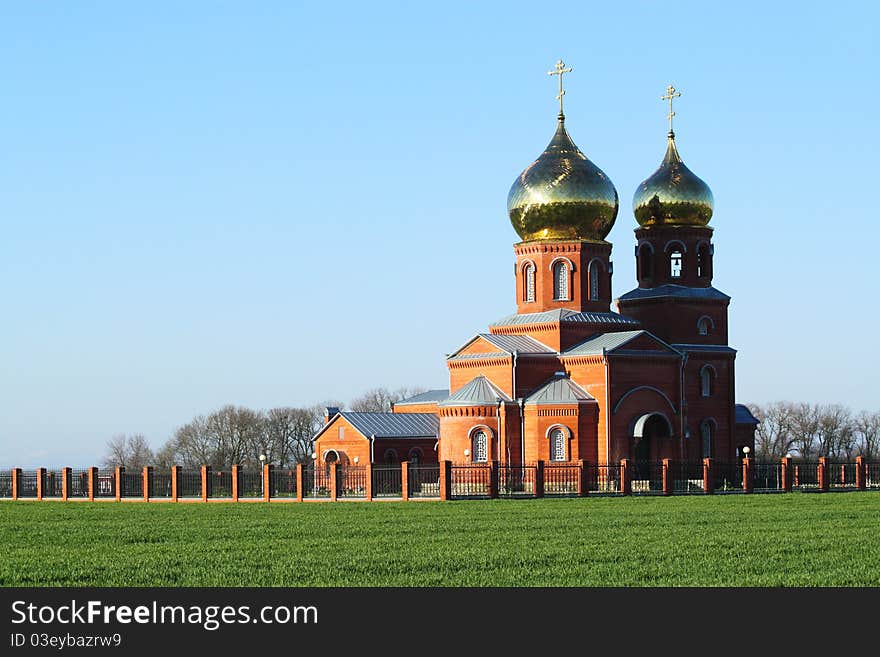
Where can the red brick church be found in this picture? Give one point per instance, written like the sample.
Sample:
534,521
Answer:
566,377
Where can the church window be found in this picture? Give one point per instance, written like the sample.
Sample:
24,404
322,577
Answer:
530,282
706,437
675,264
703,326
390,457
646,262
560,281
480,447
706,376
594,281
557,445
341,433
703,257
415,456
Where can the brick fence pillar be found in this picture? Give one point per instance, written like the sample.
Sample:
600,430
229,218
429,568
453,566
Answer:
823,474
493,479
861,473
539,479
16,483
235,483
175,473
267,482
368,482
667,477
404,481
93,483
747,475
206,482
786,474
117,477
41,474
708,470
148,480
626,480
582,478
65,483
445,479
334,481
299,482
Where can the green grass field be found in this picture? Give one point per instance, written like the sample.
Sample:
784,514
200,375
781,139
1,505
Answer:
771,540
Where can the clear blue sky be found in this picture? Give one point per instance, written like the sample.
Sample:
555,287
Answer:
282,203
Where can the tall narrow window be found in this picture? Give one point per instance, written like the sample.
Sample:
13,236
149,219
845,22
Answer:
530,282
706,435
646,262
560,281
415,456
706,381
390,457
703,260
675,264
557,445
480,447
594,281
703,326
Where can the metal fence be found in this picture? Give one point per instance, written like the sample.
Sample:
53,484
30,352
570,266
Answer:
132,484
387,481
872,479
5,483
189,483
767,477
282,483
805,475
220,483
250,483
423,480
351,481
727,476
53,483
687,478
471,480
602,479
647,478
517,480
160,484
841,476
106,484
561,478
316,481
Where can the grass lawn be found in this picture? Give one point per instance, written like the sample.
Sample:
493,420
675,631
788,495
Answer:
793,540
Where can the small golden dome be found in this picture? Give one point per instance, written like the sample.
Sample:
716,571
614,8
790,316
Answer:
562,195
673,195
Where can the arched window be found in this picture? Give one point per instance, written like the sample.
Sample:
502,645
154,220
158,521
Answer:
706,437
594,280
560,281
479,446
646,261
390,457
703,325
529,280
704,261
707,375
675,264
415,456
557,445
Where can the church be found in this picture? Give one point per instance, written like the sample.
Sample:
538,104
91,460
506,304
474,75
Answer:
566,377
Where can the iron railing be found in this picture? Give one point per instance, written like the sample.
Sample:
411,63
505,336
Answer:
767,477
727,476
5,483
647,478
132,484
160,484
220,483
471,480
53,482
250,483
387,481
79,484
27,483
106,484
561,478
189,483
602,479
517,480
841,476
316,481
351,481
687,478
872,478
805,475
282,483
423,480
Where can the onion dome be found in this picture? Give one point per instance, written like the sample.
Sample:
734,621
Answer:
673,195
562,195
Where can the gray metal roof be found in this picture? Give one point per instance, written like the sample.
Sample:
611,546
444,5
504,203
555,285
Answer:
395,425
705,347
566,316
521,343
479,390
743,415
677,291
604,342
559,390
488,354
426,397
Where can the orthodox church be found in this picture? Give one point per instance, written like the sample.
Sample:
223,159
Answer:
566,377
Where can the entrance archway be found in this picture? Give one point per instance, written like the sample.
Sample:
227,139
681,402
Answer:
648,432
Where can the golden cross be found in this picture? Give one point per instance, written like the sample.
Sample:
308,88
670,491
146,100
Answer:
670,94
560,69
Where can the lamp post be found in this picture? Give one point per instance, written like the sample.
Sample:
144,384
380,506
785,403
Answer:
467,454
315,474
263,474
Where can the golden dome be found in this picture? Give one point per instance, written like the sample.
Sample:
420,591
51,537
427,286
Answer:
562,195
673,195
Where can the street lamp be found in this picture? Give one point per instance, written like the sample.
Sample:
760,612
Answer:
467,453
263,474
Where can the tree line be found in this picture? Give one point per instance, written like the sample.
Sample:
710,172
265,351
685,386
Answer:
239,435
809,431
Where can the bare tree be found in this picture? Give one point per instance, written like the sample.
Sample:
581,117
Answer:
288,433
805,428
866,427
380,400
131,452
773,436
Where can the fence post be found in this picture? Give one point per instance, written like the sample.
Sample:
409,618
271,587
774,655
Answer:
117,477
267,482
626,480
235,483
747,475
445,479
582,478
41,472
175,471
16,482
148,479
667,477
860,473
368,475
93,482
299,482
708,484
65,484
823,474
493,480
539,479
334,480
206,482
404,480
786,474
